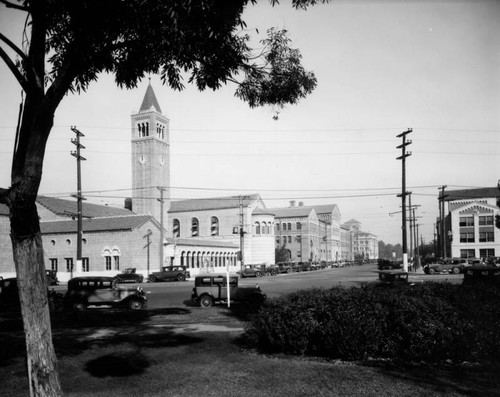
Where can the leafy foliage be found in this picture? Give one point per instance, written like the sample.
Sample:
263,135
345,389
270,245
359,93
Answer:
428,322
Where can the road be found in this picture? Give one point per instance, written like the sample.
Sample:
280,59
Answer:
178,293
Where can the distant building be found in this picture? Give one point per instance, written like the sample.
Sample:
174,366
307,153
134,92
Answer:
469,223
308,232
365,245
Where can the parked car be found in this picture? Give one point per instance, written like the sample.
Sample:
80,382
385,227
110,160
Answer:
271,270
385,264
51,277
390,278
9,296
251,271
212,288
129,275
170,273
284,267
85,292
450,265
296,266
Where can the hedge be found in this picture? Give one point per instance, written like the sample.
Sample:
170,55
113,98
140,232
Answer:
427,322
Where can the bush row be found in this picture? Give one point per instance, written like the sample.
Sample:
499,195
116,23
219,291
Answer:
427,322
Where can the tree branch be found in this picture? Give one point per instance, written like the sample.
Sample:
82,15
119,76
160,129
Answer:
15,71
18,51
8,4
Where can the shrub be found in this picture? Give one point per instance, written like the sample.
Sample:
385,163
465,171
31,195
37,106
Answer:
432,321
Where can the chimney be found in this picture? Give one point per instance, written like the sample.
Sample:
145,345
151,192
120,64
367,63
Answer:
128,204
301,203
292,203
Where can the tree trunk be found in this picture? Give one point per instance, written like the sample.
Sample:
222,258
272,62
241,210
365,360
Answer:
32,282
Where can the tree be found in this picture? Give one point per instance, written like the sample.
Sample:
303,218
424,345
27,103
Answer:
68,43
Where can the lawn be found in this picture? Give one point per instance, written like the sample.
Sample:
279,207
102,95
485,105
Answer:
196,352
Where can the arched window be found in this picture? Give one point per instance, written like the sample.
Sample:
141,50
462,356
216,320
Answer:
195,225
176,229
214,226
264,228
257,228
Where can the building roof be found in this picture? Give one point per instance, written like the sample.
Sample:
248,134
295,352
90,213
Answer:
262,211
291,212
351,222
201,242
150,101
215,203
466,194
105,224
69,208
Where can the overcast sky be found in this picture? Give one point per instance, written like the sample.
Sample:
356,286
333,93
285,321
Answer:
382,67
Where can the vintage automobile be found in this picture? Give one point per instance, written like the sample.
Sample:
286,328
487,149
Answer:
128,276
386,264
212,288
271,270
51,277
86,292
170,273
284,267
482,274
9,296
251,271
390,278
449,265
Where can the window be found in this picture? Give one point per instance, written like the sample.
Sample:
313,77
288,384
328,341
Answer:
467,253
466,237
53,264
68,242
277,240
85,264
299,225
264,228
257,228
486,237
277,227
466,221
194,227
176,229
289,226
117,262
290,239
284,240
108,262
214,226
486,220
69,264
486,253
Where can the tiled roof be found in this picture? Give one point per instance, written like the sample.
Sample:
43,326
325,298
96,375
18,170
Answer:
95,224
464,194
289,212
69,208
214,203
150,101
201,242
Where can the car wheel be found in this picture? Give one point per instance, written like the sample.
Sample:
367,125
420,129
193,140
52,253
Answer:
258,274
181,277
79,306
432,271
288,270
455,270
206,301
151,278
135,304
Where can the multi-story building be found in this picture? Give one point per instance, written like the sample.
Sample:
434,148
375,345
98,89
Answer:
308,232
469,223
365,245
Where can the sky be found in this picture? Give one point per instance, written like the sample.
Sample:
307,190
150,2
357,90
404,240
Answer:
382,67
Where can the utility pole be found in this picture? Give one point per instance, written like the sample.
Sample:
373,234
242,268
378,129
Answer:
242,234
78,197
404,193
148,243
161,189
412,223
442,217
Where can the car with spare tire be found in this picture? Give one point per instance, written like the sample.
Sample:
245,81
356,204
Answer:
170,273
210,289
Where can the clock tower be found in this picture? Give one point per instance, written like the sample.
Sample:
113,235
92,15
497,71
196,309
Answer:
150,158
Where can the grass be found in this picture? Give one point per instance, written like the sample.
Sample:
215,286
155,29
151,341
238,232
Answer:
166,353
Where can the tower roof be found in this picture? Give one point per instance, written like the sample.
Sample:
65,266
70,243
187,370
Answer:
150,100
